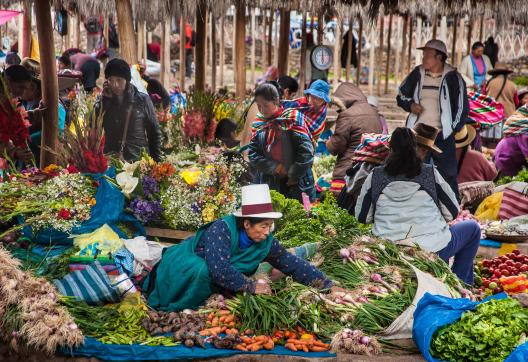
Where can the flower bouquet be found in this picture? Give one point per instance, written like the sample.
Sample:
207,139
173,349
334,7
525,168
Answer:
14,122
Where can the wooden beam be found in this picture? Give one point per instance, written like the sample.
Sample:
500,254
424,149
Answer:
240,57
284,42
302,71
443,29
24,31
380,52
337,52
165,53
270,39
49,82
222,50
453,46
481,30
106,29
127,39
141,40
372,56
78,32
214,53
320,28
387,65
253,44
460,40
350,41
434,20
182,53
398,50
404,44
263,36
359,47
201,33
469,35
410,45
419,41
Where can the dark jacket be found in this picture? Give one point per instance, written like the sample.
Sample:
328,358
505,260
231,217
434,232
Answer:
143,128
297,158
454,105
358,118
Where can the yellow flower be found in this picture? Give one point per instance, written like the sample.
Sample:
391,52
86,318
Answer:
208,213
92,202
51,168
191,176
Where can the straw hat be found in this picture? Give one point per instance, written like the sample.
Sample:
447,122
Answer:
426,136
256,202
500,68
33,67
465,136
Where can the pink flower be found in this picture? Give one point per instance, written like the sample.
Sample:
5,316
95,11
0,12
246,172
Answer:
3,164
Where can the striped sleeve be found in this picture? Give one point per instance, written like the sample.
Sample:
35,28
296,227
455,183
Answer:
364,208
446,198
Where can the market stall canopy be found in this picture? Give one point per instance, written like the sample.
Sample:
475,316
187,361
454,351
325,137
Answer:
6,15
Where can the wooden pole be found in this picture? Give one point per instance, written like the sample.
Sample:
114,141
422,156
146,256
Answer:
127,41
201,33
141,41
165,53
253,44
419,41
349,47
360,46
302,71
24,31
460,40
409,51
264,37
270,39
277,40
387,65
435,25
453,46
182,53
372,55
284,42
214,53
404,44
443,29
78,32
481,30
469,35
320,28
380,51
398,50
49,82
222,49
240,49
106,29
337,53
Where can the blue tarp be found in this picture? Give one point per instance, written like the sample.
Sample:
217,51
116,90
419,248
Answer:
434,311
117,352
109,209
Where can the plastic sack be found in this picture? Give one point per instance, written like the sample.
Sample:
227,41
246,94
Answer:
146,253
109,209
489,208
520,354
435,311
102,241
402,327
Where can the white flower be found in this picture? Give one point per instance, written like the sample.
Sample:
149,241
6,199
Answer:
127,182
130,168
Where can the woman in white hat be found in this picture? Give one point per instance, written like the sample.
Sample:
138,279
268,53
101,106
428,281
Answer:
223,254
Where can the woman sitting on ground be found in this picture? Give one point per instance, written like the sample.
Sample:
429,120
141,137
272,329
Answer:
223,254
407,199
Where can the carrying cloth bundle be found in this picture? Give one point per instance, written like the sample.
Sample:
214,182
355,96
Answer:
484,111
517,124
373,148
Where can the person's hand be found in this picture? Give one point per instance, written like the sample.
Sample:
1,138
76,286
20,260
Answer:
262,288
416,108
107,92
280,170
23,154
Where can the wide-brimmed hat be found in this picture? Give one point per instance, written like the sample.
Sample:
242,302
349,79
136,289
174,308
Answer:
256,202
319,89
426,136
465,136
500,68
436,45
33,67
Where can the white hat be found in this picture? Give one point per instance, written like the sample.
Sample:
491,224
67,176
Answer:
256,202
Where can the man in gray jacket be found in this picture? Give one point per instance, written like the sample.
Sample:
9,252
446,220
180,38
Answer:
435,94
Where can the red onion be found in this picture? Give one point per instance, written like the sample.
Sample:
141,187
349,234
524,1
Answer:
345,253
364,340
376,278
362,300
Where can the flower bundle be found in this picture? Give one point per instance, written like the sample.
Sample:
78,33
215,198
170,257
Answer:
83,143
202,194
62,202
29,310
199,123
14,122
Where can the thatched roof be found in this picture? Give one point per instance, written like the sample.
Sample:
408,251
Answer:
504,11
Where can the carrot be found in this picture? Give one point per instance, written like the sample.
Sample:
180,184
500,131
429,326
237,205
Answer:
269,345
261,339
318,349
214,322
215,330
223,329
240,348
211,315
320,344
231,324
291,347
297,341
256,347
205,333
224,312
234,331
305,349
222,319
246,340
230,318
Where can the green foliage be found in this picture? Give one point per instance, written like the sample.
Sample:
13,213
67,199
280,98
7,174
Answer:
522,176
299,232
291,210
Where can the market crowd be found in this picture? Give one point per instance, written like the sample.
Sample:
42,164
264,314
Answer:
407,184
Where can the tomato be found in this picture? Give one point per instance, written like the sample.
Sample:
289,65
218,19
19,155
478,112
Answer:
524,268
502,266
514,271
485,283
497,273
486,263
516,251
510,262
518,265
505,272
497,290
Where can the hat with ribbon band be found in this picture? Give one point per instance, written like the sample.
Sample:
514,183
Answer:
256,202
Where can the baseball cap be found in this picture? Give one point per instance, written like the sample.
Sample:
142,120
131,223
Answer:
436,45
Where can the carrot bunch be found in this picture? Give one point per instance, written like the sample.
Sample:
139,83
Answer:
306,343
254,344
221,321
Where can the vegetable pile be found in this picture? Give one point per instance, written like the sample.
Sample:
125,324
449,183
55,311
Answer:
490,333
503,273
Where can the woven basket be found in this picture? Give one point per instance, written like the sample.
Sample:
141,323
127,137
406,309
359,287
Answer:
508,238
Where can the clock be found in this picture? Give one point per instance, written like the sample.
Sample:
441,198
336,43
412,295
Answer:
322,57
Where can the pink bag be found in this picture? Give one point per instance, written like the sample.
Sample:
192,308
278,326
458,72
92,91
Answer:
514,203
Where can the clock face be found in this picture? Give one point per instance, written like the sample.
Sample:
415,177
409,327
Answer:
322,57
